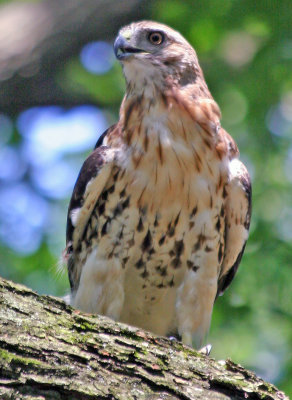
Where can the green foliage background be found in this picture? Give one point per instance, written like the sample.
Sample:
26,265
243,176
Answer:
245,49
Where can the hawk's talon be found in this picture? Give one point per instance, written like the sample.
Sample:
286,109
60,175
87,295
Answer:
206,350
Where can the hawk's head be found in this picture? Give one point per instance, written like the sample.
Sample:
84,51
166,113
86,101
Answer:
153,52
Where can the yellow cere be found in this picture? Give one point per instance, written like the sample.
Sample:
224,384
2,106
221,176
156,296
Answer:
127,34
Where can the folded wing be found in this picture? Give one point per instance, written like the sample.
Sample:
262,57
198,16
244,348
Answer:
237,221
92,179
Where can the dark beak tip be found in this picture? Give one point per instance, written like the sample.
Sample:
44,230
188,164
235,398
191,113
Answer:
120,43
123,49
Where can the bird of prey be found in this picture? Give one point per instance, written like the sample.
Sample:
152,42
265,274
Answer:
160,212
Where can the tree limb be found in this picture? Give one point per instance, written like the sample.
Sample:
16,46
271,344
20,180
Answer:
37,38
48,350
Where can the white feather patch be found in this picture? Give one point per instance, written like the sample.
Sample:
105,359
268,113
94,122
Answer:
74,214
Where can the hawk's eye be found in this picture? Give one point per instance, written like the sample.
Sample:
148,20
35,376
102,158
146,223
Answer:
155,38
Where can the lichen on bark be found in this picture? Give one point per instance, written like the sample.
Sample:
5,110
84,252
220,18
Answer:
48,350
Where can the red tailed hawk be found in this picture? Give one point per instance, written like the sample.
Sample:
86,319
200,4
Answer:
160,212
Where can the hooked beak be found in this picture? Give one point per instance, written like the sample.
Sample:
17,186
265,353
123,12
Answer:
123,50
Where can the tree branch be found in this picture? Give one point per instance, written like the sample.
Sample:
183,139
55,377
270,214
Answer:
37,38
49,350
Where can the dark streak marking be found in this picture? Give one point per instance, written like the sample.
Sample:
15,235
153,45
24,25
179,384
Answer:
218,224
139,127
151,251
196,246
198,166
104,195
211,172
140,226
129,136
141,195
92,223
139,264
202,238
95,213
194,212
125,260
222,212
247,222
219,183
104,228
122,174
200,242
171,282
183,129
226,279
170,230
131,242
145,274
94,234
115,176
161,240
179,247
220,253
160,154
146,140
112,253
143,210
111,189
176,220
122,232
192,266
118,210
101,209
147,241
196,159
176,263
151,103
126,203
123,193
156,221
128,113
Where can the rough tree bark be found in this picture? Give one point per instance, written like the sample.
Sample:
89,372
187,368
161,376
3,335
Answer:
37,38
48,350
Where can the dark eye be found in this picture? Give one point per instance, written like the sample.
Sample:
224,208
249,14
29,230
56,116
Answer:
155,38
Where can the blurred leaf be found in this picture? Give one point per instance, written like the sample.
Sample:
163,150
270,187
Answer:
107,89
